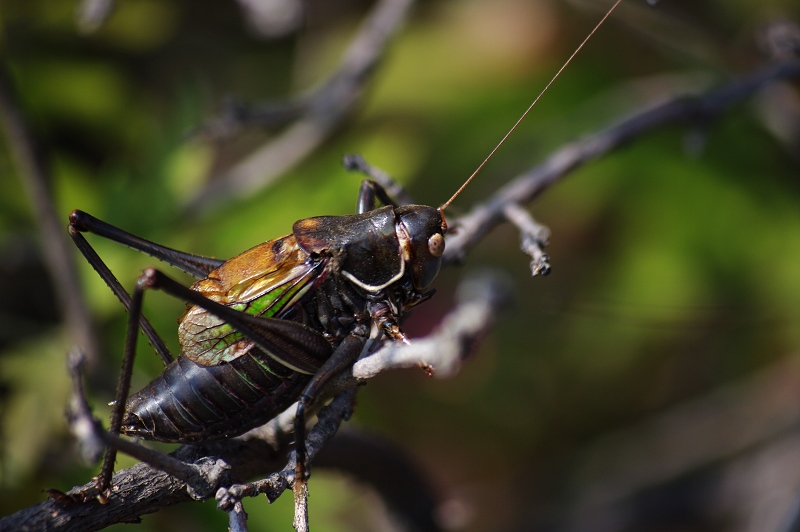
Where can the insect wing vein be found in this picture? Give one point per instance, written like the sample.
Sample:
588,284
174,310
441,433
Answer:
209,340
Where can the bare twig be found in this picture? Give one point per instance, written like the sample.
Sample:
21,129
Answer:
322,111
237,518
300,522
84,426
484,216
356,163
480,298
142,489
34,169
534,237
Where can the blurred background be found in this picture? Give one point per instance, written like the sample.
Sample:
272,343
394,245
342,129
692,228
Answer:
651,382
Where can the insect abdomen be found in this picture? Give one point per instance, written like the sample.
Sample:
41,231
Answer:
188,402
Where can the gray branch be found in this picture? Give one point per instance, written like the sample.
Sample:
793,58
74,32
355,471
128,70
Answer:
319,113
534,237
684,109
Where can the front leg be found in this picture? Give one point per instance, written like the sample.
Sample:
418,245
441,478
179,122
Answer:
381,178
367,195
382,315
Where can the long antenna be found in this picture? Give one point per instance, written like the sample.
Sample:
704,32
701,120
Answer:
521,118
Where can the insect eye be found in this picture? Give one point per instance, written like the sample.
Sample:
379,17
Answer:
436,245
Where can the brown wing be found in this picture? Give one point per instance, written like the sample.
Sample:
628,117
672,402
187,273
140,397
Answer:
265,282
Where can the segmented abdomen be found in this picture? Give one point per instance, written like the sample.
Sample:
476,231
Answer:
189,403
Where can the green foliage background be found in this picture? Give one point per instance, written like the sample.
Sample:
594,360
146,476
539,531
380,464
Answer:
675,260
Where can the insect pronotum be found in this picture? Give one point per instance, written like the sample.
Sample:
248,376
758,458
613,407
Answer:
272,326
